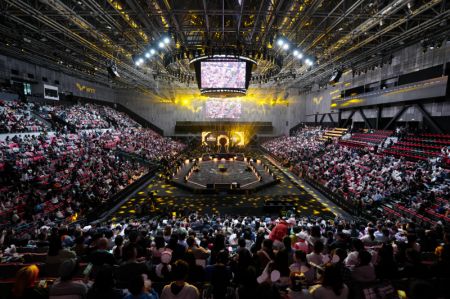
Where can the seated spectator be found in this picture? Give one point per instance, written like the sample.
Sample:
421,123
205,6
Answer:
179,288
130,267
332,286
24,285
140,288
104,286
65,285
57,255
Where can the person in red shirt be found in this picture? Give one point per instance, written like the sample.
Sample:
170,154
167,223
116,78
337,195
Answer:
279,231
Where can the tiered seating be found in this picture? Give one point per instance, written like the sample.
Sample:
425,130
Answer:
366,139
15,117
420,147
334,133
353,143
410,213
375,137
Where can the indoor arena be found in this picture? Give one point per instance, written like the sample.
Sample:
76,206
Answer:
224,149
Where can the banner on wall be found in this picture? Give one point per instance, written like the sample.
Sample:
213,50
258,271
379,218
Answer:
51,92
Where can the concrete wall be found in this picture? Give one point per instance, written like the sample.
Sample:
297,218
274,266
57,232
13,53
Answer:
67,83
410,59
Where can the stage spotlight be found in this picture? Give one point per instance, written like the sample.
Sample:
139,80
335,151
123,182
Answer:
308,62
147,55
161,45
152,51
299,55
295,53
166,40
139,61
285,46
280,42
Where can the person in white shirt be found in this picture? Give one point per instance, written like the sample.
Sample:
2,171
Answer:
315,257
179,288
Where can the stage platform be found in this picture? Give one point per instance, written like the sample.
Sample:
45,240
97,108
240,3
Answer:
231,173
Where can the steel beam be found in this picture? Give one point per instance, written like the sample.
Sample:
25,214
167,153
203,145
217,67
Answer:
361,111
348,119
429,118
396,116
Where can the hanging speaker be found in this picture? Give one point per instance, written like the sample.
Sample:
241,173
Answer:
335,77
112,71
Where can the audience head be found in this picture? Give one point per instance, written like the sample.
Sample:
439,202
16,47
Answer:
104,279
318,247
180,270
332,279
25,278
364,258
68,269
136,285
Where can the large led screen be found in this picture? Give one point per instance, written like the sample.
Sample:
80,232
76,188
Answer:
222,74
223,108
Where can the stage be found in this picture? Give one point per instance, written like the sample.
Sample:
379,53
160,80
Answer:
232,173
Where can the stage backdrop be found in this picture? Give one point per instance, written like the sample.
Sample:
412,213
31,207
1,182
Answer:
169,105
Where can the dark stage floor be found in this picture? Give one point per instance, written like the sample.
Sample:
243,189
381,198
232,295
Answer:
210,173
169,198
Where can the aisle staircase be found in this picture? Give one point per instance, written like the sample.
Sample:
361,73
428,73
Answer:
334,133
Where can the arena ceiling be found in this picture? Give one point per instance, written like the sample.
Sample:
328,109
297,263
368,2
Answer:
81,36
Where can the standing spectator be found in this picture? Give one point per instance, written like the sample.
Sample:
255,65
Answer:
139,290
265,255
316,257
279,232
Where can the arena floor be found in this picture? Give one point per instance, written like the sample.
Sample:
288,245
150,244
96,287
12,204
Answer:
169,199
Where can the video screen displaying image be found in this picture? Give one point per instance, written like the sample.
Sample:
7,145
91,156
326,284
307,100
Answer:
223,74
219,108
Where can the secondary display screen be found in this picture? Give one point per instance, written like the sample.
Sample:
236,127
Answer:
220,108
223,74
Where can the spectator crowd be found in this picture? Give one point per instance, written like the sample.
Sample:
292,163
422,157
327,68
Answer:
15,117
64,174
195,256
361,176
